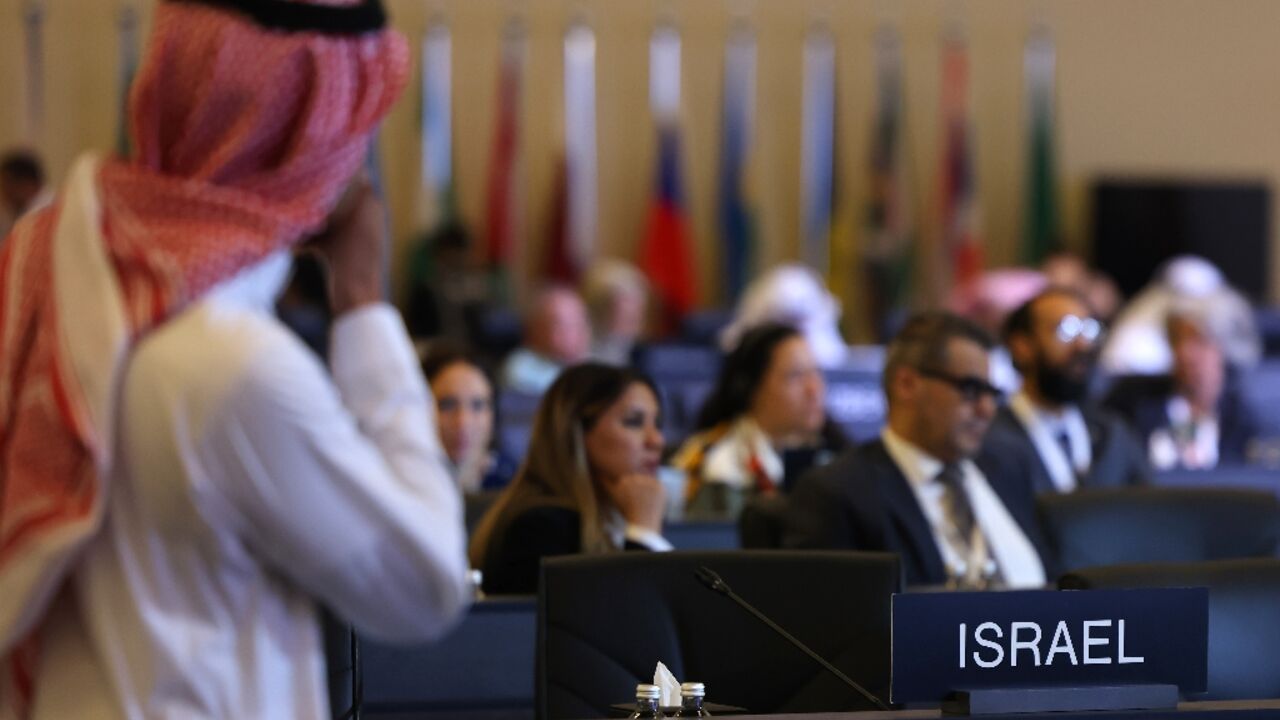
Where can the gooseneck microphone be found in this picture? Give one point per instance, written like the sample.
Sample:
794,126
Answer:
709,578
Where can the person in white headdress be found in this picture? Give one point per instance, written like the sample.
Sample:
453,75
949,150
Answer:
1138,342
795,295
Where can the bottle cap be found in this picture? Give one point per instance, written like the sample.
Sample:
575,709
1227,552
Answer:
693,689
648,692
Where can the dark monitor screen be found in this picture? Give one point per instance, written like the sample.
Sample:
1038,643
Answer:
1139,223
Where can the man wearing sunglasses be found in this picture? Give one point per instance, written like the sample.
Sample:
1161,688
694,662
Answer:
1053,340
957,511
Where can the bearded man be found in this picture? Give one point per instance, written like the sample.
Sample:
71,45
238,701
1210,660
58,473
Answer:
1053,340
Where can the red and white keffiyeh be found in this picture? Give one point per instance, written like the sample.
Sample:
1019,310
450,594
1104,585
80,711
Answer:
244,138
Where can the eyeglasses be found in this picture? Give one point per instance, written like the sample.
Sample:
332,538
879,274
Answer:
972,389
1071,327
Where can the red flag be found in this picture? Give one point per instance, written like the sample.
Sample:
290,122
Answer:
560,267
961,239
501,202
665,255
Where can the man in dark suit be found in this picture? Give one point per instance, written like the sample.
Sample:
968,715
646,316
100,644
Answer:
1194,418
1052,340
923,490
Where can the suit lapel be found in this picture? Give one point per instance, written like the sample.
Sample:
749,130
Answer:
1097,434
1101,445
904,514
1018,432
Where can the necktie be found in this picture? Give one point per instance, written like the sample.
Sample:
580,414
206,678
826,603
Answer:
955,503
1064,441
979,569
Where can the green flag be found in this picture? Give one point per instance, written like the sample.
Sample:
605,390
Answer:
1040,234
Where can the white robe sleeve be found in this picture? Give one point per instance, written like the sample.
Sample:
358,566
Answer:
340,483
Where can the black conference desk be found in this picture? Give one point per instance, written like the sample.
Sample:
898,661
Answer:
484,671
1226,709
1218,710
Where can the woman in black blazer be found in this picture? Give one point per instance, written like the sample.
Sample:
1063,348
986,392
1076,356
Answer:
588,483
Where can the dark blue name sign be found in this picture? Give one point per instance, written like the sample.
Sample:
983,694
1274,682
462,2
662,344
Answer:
947,642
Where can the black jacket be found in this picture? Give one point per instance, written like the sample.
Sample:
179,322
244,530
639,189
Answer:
526,534
862,501
1118,459
1144,402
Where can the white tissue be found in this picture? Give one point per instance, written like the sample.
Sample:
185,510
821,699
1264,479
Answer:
669,685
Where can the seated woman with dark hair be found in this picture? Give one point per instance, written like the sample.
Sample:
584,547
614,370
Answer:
465,419
588,484
763,425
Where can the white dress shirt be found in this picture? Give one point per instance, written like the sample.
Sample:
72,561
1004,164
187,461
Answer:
248,482
528,372
1044,428
729,460
1188,442
1019,564
621,532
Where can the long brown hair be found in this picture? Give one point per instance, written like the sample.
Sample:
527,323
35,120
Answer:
555,467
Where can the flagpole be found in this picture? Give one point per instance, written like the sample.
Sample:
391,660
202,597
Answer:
436,161
888,250
33,16
737,221
580,145
961,246
503,248
1040,219
664,253
817,148
128,36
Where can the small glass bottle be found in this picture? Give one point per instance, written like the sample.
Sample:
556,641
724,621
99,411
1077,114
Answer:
647,697
691,694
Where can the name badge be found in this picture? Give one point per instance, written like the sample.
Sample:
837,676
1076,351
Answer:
949,642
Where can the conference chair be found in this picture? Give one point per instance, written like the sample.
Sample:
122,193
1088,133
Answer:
684,374
480,670
494,331
515,414
1241,477
760,522
703,327
1262,394
339,664
605,621
1137,525
1244,618
855,401
475,505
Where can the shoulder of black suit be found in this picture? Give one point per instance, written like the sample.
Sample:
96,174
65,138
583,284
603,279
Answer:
368,16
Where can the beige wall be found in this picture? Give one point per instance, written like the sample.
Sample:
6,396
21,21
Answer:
1163,86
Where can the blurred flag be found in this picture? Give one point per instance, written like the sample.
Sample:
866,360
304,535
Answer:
33,38
890,233
373,170
961,221
1040,234
439,227
572,248
736,211
436,205
503,208
665,255
841,277
128,38
560,266
817,148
